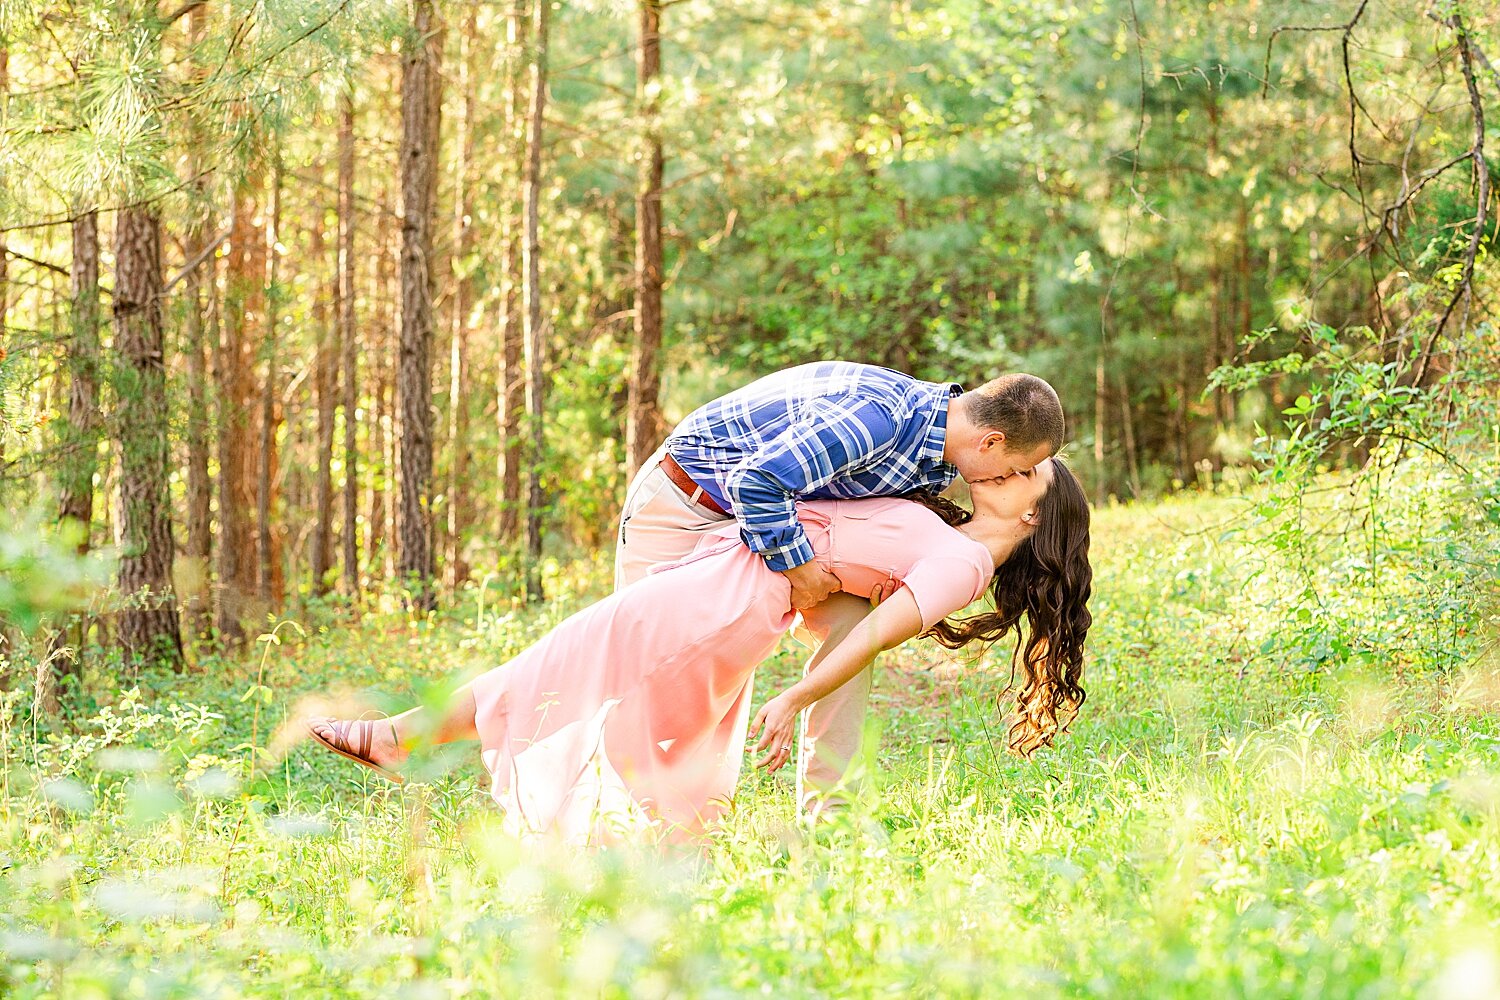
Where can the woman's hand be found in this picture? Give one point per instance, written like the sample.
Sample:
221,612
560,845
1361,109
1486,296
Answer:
896,620
777,723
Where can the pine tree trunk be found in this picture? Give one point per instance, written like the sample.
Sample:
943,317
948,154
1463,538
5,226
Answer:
148,626
459,512
1102,363
512,401
420,114
1127,427
80,458
326,379
1184,434
243,295
80,439
199,486
1218,319
268,552
1101,401
346,339
197,603
644,416
535,343
1242,266
380,349
4,257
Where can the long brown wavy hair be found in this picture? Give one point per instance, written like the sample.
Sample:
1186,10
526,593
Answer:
1048,579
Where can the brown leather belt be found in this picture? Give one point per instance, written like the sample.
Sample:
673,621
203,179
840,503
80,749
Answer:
684,482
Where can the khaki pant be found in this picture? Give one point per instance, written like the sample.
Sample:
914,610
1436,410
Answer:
661,525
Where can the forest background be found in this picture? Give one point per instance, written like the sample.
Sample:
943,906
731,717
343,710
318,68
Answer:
394,295
343,324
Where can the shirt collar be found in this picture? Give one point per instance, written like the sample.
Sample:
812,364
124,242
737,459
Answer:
937,431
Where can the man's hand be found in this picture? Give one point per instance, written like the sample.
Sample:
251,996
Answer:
811,583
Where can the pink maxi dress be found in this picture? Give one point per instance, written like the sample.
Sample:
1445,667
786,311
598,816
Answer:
629,718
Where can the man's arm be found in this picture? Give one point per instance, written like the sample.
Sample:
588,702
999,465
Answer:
832,436
811,584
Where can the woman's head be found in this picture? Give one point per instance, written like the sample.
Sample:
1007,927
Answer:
1048,580
1016,500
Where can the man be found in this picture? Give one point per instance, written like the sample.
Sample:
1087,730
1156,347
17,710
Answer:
824,430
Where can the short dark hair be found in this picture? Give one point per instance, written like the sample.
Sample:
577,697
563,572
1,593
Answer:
1023,407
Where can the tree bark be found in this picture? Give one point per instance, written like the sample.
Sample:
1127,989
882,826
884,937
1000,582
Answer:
197,603
346,339
643,423
199,486
420,114
80,459
326,378
1184,434
459,510
1101,402
4,257
1246,283
268,551
1218,325
1127,426
243,297
380,347
512,397
535,342
148,626
80,441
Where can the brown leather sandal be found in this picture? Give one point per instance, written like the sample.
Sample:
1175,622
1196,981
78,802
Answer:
342,742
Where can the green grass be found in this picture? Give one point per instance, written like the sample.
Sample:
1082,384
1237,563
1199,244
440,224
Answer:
1270,793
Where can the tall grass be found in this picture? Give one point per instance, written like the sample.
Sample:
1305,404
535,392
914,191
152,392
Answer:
1285,783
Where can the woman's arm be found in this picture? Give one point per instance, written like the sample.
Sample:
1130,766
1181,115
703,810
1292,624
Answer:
892,623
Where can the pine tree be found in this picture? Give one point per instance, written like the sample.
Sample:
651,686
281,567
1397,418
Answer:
148,625
459,505
536,344
420,118
644,420
512,395
346,337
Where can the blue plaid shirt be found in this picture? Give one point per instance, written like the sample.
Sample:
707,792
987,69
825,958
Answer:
826,430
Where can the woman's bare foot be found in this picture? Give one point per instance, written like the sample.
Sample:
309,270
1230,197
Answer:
371,742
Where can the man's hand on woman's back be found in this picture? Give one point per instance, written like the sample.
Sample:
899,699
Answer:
811,584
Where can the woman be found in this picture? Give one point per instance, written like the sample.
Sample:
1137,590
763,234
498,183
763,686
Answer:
632,714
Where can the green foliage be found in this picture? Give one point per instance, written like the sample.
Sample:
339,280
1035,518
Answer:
41,574
1418,512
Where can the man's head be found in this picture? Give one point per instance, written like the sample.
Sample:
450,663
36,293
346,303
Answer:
1006,426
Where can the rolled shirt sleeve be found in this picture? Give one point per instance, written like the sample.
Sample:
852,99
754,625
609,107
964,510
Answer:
831,436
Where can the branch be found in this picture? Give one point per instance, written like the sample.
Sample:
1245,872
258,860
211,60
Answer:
72,63
1479,55
1423,179
240,34
39,263
183,11
1484,61
1354,103
191,265
1482,181
72,217
1266,69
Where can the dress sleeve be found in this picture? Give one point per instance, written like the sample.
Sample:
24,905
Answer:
946,582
